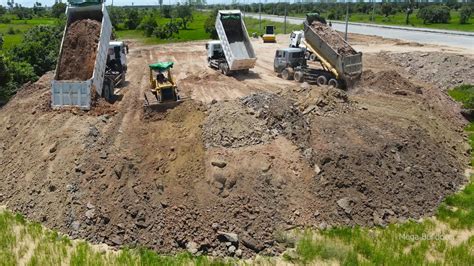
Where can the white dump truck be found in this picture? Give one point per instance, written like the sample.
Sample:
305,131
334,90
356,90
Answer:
109,70
233,52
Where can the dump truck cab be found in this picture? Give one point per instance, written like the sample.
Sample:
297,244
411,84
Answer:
312,17
162,84
214,50
288,58
297,39
117,51
269,35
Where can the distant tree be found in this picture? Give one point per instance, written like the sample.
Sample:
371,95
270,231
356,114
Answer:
166,11
58,9
38,8
3,10
210,25
148,25
185,13
387,9
465,14
409,10
434,14
161,3
133,19
453,4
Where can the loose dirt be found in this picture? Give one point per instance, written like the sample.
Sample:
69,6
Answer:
241,160
332,38
79,50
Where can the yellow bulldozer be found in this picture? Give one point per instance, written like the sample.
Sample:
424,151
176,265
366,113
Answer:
269,35
163,88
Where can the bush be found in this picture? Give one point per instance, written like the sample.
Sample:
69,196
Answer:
133,19
11,31
465,14
1,41
210,25
148,25
5,19
12,76
39,48
434,14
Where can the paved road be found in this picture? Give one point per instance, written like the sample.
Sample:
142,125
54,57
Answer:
449,38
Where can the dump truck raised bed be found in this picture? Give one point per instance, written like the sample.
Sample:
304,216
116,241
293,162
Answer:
76,92
340,64
234,52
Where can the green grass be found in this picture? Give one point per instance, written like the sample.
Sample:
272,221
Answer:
410,243
20,27
398,19
19,237
253,25
195,31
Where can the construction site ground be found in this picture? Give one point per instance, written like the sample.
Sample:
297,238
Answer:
242,158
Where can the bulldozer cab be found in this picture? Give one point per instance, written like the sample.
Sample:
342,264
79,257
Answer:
162,84
269,35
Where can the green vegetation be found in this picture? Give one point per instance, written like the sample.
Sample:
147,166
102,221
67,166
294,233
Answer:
30,243
447,238
253,25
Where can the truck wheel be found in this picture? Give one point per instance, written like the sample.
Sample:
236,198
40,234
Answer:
333,83
106,90
287,73
299,77
312,57
224,68
321,80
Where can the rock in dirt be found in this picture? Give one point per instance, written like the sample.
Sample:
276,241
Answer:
192,247
251,243
219,163
79,50
231,237
345,204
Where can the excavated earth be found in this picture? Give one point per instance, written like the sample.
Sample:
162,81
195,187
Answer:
79,50
332,38
240,161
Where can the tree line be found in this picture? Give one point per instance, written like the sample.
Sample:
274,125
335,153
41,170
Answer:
427,12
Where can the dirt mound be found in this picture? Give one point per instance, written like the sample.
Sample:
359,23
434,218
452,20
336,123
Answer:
333,38
79,50
389,81
444,70
280,115
230,124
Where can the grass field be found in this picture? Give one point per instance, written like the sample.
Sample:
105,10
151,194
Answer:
20,27
398,19
195,31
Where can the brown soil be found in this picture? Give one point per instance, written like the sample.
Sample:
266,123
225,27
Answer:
332,38
252,155
79,50
389,81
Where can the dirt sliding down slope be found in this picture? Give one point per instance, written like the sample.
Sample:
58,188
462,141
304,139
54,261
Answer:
79,50
332,38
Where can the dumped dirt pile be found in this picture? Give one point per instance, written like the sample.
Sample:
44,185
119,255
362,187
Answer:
444,70
388,81
229,178
79,50
332,38
230,124
280,116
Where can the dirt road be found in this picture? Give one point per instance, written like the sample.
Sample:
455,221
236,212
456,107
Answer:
267,155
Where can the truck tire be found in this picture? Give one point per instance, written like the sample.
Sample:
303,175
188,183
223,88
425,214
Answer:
321,80
334,83
224,69
287,73
299,76
312,57
108,89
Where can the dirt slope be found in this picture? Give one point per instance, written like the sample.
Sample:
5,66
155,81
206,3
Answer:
191,177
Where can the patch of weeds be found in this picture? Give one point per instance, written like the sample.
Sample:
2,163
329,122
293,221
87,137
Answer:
464,94
458,209
84,255
7,239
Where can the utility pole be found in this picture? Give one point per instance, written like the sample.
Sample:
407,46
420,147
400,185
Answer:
284,25
347,19
260,15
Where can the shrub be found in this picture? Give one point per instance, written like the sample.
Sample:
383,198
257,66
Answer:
11,31
434,14
209,25
148,25
465,14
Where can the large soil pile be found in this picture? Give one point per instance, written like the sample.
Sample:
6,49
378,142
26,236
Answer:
79,50
332,38
389,81
445,70
229,177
